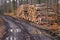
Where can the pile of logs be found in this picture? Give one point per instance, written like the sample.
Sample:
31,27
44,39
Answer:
29,12
35,13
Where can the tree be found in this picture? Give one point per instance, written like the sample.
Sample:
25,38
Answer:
7,7
14,6
1,10
37,1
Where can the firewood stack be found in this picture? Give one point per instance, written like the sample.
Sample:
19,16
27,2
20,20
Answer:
34,13
27,12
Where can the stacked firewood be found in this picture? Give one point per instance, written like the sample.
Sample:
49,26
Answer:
29,12
32,12
35,13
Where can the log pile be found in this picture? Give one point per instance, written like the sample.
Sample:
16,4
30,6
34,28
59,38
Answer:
28,12
34,13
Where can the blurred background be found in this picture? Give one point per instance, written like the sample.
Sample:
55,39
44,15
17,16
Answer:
7,5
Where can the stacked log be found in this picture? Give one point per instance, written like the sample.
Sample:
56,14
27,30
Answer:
27,12
35,13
